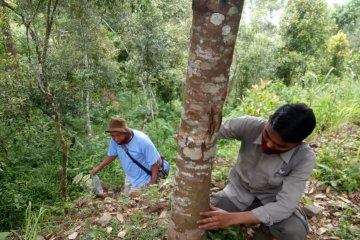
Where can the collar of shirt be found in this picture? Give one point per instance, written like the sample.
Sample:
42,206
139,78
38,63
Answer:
285,156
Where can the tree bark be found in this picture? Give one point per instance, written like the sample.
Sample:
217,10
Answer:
213,35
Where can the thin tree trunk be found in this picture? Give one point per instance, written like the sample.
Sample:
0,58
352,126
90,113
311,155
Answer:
147,102
213,35
88,118
87,101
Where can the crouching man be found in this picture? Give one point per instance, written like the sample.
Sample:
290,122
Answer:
268,179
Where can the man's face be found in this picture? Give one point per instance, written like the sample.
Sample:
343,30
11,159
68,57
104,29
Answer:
273,142
120,137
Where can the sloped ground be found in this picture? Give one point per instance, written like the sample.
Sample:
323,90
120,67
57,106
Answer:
116,217
146,217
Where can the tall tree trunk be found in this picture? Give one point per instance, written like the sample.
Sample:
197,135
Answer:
87,67
213,35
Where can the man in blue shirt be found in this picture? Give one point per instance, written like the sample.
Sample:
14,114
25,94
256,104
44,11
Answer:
139,147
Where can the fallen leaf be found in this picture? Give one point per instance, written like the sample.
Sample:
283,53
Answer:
344,199
163,214
122,233
321,231
73,236
134,194
108,200
144,207
120,217
144,225
320,196
104,219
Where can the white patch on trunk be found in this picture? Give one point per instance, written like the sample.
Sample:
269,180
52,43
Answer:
182,201
212,88
226,30
220,79
206,54
193,70
202,174
195,107
192,153
189,175
191,122
177,171
217,19
192,165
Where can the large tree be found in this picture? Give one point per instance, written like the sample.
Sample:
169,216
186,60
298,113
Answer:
213,35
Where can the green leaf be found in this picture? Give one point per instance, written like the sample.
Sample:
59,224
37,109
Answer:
78,178
4,235
86,177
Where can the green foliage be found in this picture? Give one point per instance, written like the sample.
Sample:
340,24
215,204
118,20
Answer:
234,232
32,222
260,102
338,50
305,28
347,17
255,53
337,167
4,235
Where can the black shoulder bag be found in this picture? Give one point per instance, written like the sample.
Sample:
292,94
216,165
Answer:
163,169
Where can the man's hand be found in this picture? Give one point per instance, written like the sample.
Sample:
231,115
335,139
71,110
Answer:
215,219
151,183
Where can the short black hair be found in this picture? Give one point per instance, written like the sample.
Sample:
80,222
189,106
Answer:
293,122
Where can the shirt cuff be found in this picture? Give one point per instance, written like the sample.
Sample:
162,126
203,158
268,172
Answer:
263,216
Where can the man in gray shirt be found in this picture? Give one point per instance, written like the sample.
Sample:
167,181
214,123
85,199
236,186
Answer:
269,177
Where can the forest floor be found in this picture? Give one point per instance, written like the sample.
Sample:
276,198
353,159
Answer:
145,217
93,217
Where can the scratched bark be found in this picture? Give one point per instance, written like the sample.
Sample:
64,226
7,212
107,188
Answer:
213,35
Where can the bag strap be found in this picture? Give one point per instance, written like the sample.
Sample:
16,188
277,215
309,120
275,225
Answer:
135,161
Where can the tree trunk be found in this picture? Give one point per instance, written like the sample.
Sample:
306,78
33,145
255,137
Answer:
88,116
213,35
89,131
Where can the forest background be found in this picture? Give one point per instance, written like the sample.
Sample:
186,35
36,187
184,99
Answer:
68,66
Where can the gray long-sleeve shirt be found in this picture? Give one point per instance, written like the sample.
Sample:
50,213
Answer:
277,180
